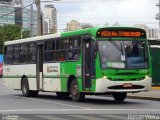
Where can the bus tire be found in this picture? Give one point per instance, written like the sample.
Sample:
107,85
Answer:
76,95
25,87
119,97
62,94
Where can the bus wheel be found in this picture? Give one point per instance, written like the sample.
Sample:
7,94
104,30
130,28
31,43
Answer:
119,97
76,95
25,87
62,94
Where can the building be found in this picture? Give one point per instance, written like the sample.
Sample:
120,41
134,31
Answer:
152,33
6,7
50,13
25,17
73,25
45,26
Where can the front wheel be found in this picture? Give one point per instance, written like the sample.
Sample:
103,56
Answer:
119,97
76,95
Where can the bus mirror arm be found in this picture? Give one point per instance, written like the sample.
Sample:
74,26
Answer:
95,49
94,46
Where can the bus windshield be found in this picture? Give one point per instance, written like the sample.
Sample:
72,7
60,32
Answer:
123,54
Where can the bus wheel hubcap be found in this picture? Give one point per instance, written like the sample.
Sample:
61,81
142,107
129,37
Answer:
75,90
24,89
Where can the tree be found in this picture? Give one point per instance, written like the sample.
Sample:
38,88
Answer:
26,34
8,33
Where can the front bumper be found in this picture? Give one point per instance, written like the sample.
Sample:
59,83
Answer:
105,85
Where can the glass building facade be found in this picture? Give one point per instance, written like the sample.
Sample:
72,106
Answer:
11,18
7,19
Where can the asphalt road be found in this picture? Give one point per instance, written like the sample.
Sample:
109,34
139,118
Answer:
48,107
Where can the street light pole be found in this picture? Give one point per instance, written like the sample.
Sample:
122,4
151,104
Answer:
39,18
159,18
32,21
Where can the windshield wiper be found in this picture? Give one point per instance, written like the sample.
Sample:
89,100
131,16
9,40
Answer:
117,46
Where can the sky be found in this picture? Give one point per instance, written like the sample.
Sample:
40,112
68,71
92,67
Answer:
100,12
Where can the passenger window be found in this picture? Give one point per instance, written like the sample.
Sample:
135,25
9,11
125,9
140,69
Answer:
9,55
32,48
62,43
24,53
74,42
32,53
24,48
50,45
49,53
74,49
61,55
74,54
16,54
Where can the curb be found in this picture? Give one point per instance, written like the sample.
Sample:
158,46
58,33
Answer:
144,98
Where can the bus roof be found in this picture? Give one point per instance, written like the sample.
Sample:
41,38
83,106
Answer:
91,31
94,30
37,38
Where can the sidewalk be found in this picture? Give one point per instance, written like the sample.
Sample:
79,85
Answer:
150,95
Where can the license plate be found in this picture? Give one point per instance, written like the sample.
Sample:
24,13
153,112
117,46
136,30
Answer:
126,85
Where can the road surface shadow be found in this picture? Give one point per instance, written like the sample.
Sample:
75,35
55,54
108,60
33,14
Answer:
98,100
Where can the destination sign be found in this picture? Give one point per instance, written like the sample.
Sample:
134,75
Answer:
120,33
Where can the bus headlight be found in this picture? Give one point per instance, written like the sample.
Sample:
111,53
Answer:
105,77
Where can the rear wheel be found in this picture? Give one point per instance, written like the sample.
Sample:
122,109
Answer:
76,95
119,97
25,89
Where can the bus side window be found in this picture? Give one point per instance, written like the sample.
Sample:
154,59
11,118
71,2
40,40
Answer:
60,56
24,53
62,43
16,54
49,52
9,55
61,49
74,48
74,42
73,54
32,53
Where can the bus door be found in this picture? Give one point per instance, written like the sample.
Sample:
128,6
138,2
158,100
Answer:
39,66
87,65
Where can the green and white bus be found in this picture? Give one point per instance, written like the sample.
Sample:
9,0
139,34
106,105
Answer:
92,61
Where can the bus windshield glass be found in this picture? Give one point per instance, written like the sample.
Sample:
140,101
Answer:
123,54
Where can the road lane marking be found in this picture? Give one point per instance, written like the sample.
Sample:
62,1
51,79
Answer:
58,103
